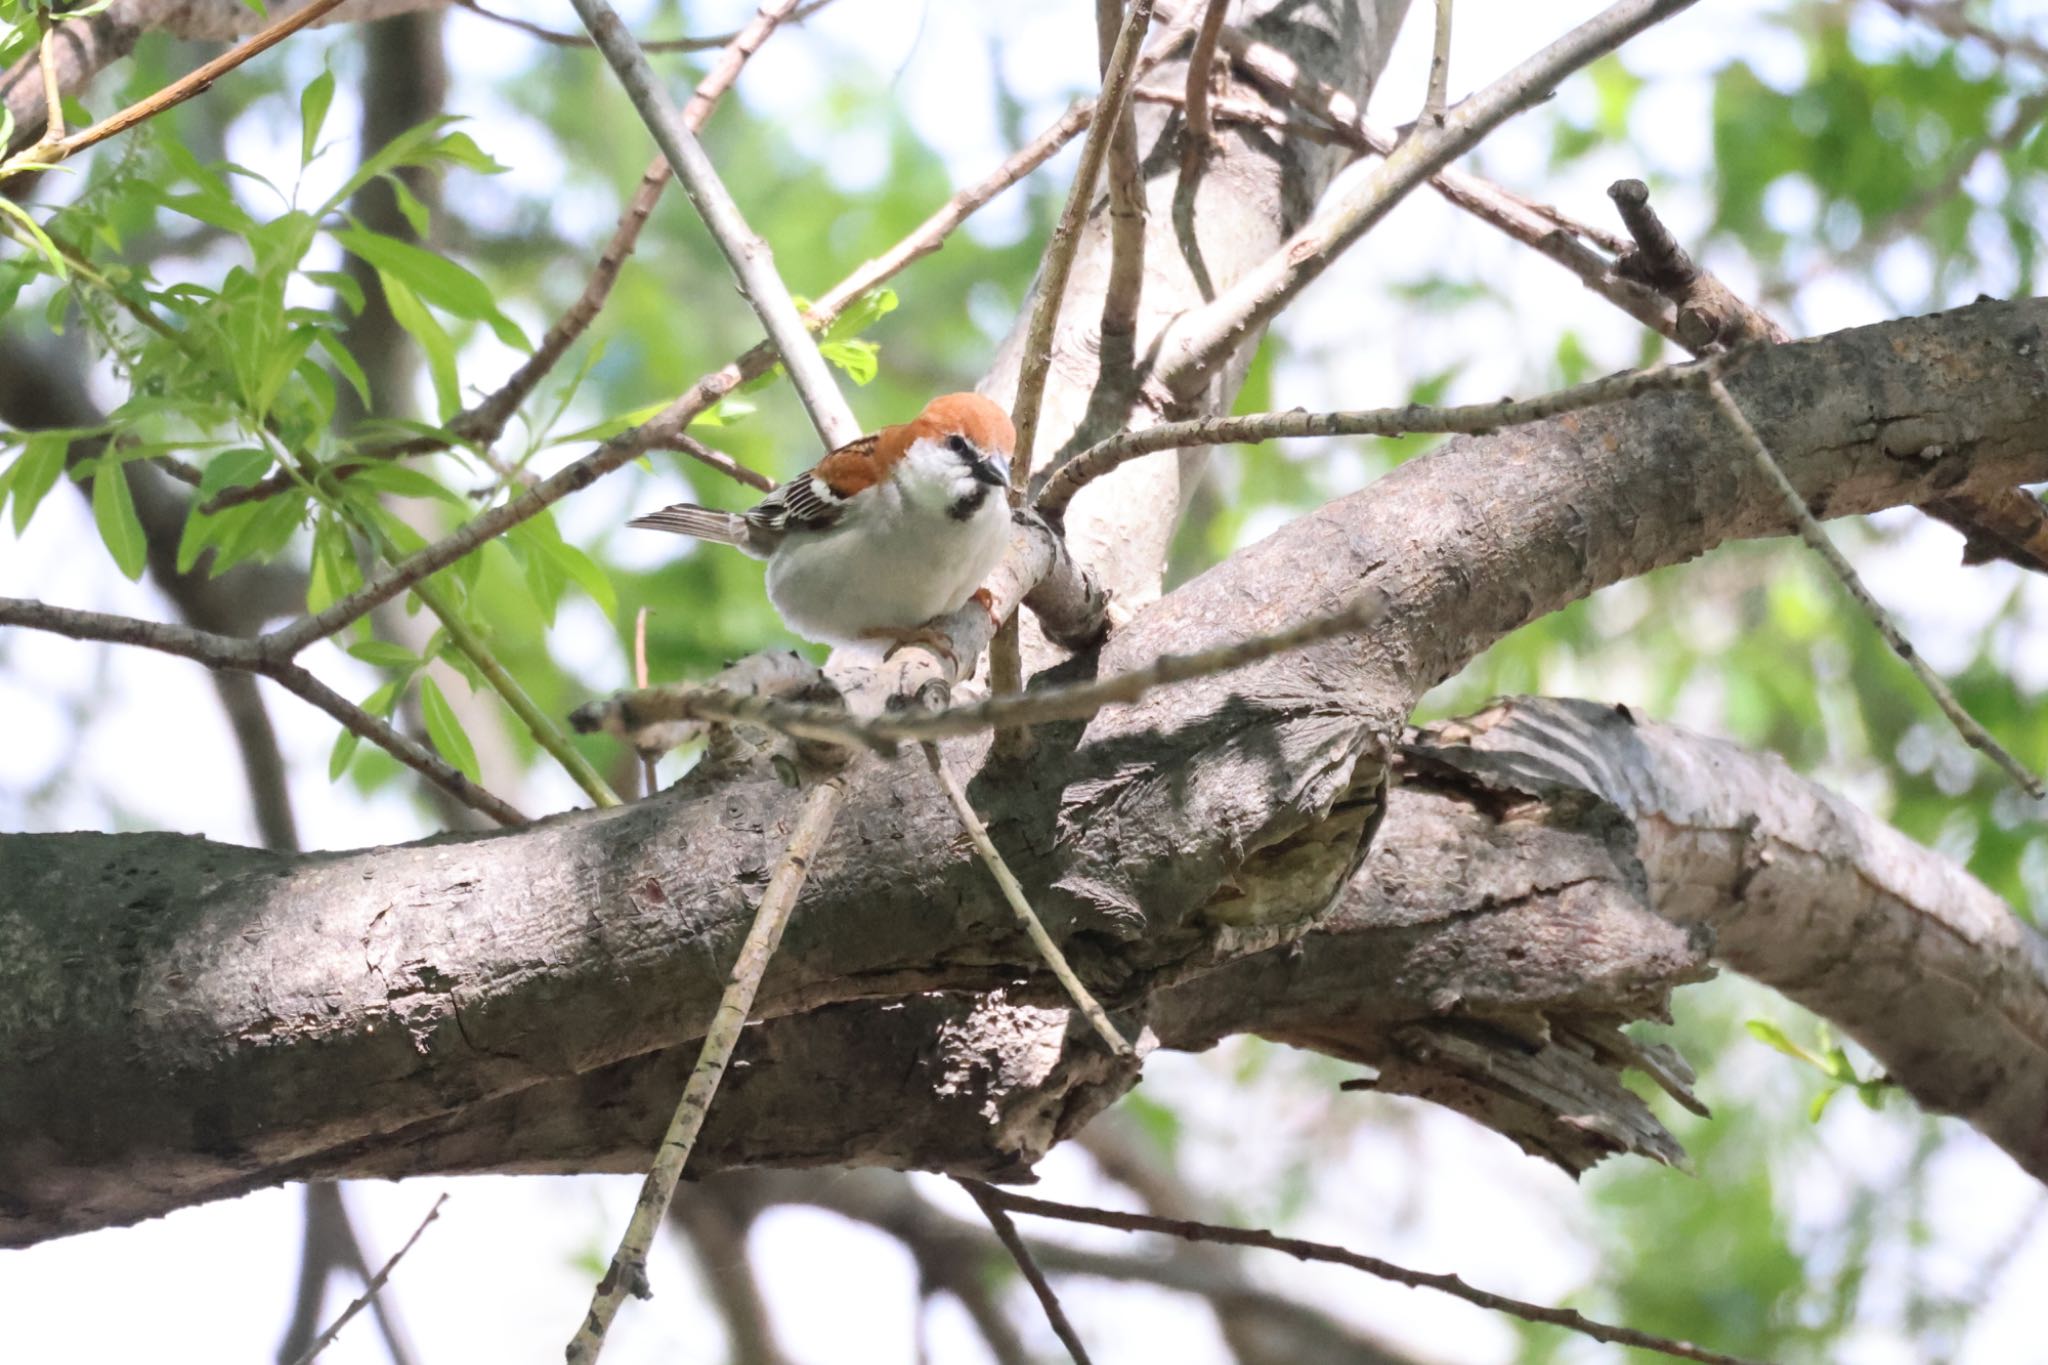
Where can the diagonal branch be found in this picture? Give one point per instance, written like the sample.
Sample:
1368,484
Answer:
1118,74
254,656
751,261
1974,734
986,1199
1569,1319
1209,336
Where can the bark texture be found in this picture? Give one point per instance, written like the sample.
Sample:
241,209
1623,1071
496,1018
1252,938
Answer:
181,1019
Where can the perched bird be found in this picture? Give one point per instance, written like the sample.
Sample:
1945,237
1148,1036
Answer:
885,533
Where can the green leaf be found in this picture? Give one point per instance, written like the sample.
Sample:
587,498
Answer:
233,469
1769,1034
313,103
433,338
860,359
435,279
34,472
114,512
446,731
384,654
41,238
346,363
407,482
1820,1102
612,426
863,313
344,749
343,284
416,214
334,572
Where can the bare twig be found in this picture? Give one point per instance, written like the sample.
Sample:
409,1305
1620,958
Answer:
1211,334
1074,701
628,1270
1020,905
53,90
1439,66
796,14
1974,734
668,425
255,656
487,419
1058,263
1475,418
51,150
1120,298
326,1338
1709,312
985,1199
723,463
1567,1318
1580,247
751,261
647,761
1199,134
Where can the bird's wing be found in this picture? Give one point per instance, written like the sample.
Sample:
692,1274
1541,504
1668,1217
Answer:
817,498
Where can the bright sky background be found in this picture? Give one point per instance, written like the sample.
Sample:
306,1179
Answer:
495,1278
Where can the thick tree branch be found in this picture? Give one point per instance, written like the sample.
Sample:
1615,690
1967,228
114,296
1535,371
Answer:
351,1013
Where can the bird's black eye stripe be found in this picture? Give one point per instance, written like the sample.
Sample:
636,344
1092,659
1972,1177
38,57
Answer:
962,447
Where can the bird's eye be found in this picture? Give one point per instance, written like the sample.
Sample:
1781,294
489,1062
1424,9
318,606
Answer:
962,447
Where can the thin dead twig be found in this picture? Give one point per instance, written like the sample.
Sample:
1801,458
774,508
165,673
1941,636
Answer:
1475,418
627,1272
1074,701
1187,1230
326,1338
255,656
1006,1232
554,38
51,150
1439,67
1974,734
1208,336
1020,905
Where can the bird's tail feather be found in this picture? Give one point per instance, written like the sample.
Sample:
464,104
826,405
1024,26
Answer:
705,523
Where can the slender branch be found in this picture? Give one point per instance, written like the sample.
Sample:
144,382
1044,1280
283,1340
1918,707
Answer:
631,712
254,656
1974,734
795,14
628,1270
1580,247
1439,67
1119,324
1474,419
1211,334
1569,1319
487,419
1020,905
1200,133
538,723
1118,74
51,150
751,261
1953,20
985,1199
53,91
724,464
326,1338
669,424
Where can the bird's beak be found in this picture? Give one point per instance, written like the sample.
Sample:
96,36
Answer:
993,470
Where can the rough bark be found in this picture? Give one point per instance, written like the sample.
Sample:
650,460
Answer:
180,1019
1909,954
